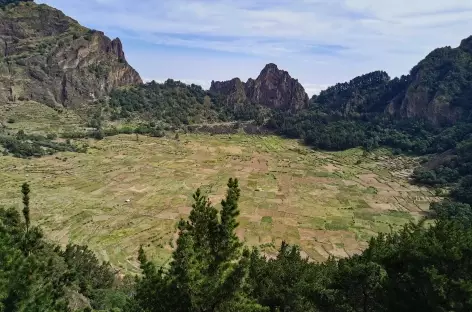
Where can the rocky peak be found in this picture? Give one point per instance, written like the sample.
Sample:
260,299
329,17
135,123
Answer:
271,67
233,90
50,58
228,86
276,89
117,49
273,88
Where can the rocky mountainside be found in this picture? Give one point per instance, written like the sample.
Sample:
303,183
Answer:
440,86
274,88
48,57
438,89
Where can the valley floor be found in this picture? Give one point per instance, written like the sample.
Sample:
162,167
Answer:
124,193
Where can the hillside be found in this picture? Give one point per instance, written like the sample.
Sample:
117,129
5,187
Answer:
438,89
50,58
91,155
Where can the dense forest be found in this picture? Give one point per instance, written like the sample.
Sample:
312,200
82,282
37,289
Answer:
176,103
424,267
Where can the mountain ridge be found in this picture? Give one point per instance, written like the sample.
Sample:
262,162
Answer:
437,89
49,57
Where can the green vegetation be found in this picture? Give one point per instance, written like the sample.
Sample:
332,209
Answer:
353,114
176,104
419,268
7,2
449,210
353,209
23,145
84,195
36,275
173,102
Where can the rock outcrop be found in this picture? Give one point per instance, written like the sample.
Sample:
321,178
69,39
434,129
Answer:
233,91
274,88
48,57
438,89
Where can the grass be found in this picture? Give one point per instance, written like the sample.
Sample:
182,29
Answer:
46,119
324,202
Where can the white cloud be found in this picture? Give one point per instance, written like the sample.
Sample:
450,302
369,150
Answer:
313,89
318,41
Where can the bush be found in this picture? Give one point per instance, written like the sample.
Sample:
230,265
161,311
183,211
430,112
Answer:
51,136
98,135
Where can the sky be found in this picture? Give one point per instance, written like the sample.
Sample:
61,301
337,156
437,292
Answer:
319,42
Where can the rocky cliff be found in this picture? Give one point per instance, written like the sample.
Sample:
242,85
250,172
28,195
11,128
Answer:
48,57
440,86
438,89
233,91
273,88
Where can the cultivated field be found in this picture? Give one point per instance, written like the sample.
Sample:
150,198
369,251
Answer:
328,203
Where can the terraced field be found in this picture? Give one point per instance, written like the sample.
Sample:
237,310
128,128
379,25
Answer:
125,192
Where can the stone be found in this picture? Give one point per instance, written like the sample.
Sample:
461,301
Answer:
48,57
273,88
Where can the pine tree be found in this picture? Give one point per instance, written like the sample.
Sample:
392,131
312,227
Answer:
208,271
203,224
25,190
229,243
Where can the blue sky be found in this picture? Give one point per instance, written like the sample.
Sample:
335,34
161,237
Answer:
319,42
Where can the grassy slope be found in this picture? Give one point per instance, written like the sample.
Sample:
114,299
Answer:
33,117
329,203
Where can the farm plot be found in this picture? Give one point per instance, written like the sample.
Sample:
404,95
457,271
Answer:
123,193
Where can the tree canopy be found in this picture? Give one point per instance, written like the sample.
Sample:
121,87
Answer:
423,267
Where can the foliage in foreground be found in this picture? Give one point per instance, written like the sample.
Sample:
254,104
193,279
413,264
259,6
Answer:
421,268
36,275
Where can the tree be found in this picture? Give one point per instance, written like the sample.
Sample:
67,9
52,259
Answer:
288,282
208,269
259,119
453,211
228,241
25,190
357,285
463,192
36,276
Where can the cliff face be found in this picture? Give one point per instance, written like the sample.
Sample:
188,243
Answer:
273,88
233,91
438,89
48,57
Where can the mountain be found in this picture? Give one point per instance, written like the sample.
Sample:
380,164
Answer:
438,89
50,58
273,88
